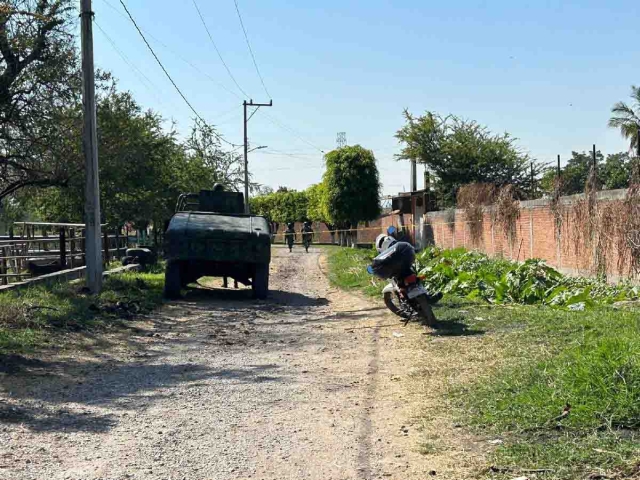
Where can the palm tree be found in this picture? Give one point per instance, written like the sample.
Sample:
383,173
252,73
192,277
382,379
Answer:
627,119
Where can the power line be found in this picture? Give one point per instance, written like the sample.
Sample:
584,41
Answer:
292,132
218,51
246,37
176,54
219,137
212,80
141,76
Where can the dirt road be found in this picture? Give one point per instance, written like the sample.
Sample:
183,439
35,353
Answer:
310,384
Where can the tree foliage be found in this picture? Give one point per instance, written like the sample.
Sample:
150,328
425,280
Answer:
626,118
352,185
458,151
613,172
39,93
143,167
318,207
282,206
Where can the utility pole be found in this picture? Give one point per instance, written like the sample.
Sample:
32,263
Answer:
414,176
246,104
595,161
533,182
558,168
93,242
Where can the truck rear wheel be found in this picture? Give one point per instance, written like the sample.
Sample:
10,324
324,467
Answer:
260,281
172,280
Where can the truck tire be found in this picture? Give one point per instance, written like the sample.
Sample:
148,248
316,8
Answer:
260,281
172,280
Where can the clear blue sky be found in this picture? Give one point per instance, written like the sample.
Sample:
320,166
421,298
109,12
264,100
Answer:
546,72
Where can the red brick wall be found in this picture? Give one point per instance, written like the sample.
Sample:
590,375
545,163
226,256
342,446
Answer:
535,236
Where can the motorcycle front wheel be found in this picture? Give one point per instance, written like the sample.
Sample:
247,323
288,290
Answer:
425,311
392,302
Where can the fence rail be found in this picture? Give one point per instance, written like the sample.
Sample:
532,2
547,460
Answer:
31,256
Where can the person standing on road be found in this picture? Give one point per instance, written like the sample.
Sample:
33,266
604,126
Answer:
290,235
307,235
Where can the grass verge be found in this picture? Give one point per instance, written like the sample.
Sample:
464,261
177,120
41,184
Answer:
348,270
563,398
38,316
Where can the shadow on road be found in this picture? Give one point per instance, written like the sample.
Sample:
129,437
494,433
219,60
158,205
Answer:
244,297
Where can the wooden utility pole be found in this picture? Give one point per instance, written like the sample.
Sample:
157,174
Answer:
558,171
595,162
93,240
246,104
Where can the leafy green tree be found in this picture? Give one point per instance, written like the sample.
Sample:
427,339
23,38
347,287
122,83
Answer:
352,186
39,94
458,152
282,206
613,172
616,171
318,208
626,118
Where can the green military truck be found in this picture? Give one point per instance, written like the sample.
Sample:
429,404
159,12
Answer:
210,236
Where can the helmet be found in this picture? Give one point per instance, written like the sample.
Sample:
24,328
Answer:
290,224
383,242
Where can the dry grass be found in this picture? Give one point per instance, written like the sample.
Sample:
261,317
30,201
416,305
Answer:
556,207
507,212
599,232
473,198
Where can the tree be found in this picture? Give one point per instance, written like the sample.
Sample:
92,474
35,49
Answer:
616,171
627,118
282,206
39,94
458,152
226,168
352,186
318,207
143,167
613,173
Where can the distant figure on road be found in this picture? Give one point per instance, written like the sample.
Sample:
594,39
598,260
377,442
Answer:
307,235
290,235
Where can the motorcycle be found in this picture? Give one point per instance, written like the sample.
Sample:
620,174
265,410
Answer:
405,295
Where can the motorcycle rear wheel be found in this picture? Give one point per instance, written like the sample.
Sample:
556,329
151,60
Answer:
425,311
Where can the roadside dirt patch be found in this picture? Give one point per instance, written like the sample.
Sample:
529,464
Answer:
310,384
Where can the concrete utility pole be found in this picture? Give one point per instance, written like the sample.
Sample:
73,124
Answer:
246,104
93,242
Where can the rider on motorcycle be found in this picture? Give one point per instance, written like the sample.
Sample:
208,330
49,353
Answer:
401,267
290,235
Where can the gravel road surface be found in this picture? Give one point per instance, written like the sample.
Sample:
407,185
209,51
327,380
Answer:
309,384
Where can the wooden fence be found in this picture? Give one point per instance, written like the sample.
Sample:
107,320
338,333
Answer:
58,246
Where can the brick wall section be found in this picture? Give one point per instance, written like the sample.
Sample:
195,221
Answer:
535,235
